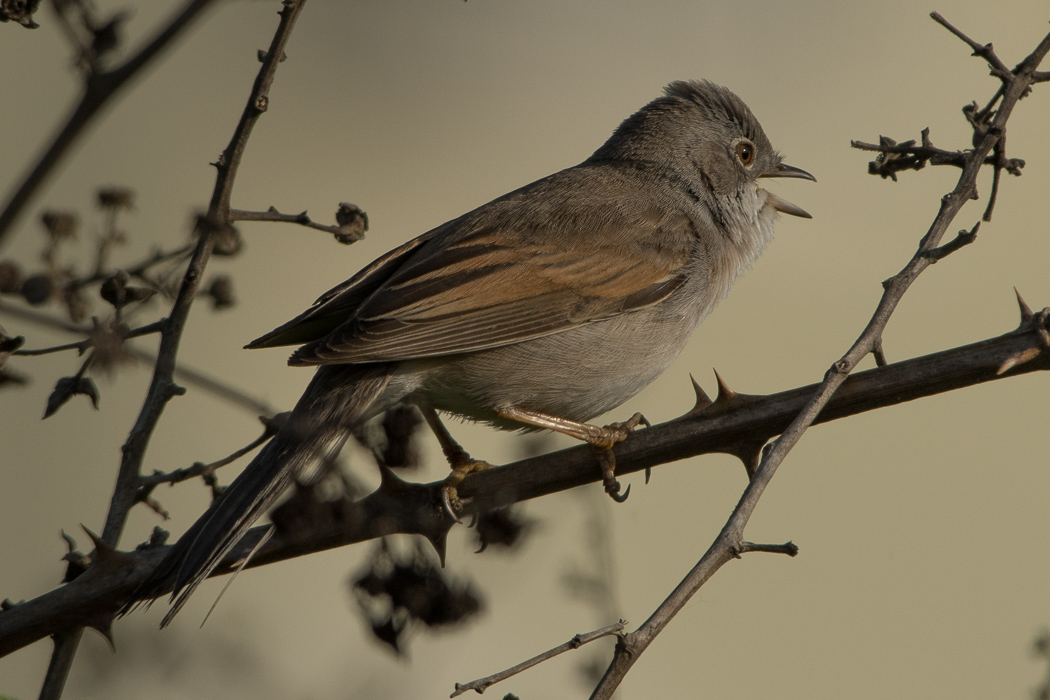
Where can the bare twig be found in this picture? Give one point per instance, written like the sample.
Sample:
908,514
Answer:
788,548
729,540
139,269
985,51
98,90
88,342
200,468
66,644
352,222
162,387
963,238
895,157
182,372
480,685
80,346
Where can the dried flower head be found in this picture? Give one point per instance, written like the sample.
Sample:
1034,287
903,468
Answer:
116,198
60,225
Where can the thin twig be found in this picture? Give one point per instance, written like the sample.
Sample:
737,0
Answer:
162,386
730,539
98,90
184,374
66,644
985,51
200,468
963,238
138,269
343,233
480,685
788,548
80,346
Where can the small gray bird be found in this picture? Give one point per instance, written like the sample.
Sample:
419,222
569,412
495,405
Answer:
541,309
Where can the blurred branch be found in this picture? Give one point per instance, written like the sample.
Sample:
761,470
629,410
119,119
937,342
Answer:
400,507
208,227
989,133
99,88
183,373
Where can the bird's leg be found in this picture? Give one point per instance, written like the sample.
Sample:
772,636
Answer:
602,439
458,458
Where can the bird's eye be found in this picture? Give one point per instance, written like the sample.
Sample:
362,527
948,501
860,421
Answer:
745,152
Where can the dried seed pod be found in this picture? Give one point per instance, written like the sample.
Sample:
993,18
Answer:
37,289
353,222
221,292
116,198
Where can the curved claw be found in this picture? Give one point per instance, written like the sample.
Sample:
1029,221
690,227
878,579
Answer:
447,504
620,498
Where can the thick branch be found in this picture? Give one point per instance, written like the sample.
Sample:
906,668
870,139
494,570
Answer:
399,507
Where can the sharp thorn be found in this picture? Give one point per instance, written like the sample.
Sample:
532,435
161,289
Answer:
702,399
724,392
1018,359
103,624
1026,311
437,541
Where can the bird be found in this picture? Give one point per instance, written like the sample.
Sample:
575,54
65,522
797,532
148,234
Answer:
541,309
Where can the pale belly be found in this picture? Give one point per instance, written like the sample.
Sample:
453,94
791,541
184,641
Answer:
577,374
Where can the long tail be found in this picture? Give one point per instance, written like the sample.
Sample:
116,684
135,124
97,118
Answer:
338,397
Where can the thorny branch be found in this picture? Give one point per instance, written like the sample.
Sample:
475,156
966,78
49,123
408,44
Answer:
1015,85
400,507
100,86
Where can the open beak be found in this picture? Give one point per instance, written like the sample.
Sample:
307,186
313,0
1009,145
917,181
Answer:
782,205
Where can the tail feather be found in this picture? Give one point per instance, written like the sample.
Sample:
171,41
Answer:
338,398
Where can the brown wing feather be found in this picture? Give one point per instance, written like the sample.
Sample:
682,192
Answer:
339,303
495,296
503,273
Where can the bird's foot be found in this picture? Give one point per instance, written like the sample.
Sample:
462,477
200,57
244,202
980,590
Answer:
461,467
602,440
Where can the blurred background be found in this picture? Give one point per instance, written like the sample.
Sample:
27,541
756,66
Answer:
924,528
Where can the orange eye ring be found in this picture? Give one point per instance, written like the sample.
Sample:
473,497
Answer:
745,153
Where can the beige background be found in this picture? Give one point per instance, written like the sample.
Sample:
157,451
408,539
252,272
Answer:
924,528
